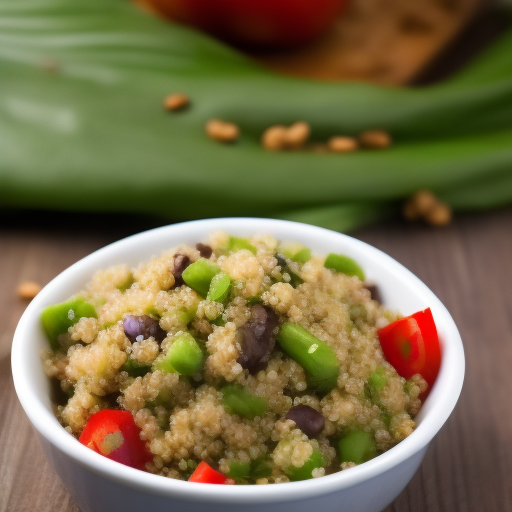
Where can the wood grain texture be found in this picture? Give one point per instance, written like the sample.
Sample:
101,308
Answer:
468,265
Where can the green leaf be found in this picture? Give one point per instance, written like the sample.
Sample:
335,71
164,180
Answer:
82,125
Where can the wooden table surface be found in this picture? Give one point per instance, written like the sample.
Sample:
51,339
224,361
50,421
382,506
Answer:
468,265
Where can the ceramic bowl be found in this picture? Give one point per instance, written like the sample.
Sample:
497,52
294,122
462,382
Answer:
101,485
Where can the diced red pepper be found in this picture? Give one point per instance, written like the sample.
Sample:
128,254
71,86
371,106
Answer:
411,346
205,474
115,435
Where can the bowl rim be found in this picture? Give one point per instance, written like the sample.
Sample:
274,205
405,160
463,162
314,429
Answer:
450,377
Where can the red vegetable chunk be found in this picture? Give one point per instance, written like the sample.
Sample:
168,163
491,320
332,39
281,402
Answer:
205,474
411,346
115,435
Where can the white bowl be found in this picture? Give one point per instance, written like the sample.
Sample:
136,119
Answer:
98,484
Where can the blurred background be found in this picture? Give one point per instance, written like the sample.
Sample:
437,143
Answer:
387,119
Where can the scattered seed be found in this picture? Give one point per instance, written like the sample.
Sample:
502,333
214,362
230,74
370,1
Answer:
341,144
274,138
176,101
28,289
375,139
439,215
424,201
425,205
222,131
297,134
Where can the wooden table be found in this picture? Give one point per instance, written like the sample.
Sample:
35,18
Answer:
467,265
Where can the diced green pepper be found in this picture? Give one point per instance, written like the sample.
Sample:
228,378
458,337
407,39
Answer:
240,470
376,382
344,264
127,284
237,400
219,287
199,275
305,471
315,356
58,318
302,256
184,356
356,446
135,369
252,470
236,244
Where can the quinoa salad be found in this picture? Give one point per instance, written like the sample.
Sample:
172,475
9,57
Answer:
237,360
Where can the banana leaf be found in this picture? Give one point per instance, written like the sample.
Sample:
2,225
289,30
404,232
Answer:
82,126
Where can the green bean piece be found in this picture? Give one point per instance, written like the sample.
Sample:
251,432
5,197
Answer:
237,244
199,275
356,446
239,470
126,284
219,287
184,356
344,264
135,369
252,470
58,318
302,256
315,356
237,400
305,471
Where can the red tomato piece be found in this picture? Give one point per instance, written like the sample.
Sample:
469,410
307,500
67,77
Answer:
256,23
411,345
115,435
205,474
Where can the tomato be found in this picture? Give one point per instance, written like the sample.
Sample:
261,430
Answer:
205,474
411,346
115,435
257,23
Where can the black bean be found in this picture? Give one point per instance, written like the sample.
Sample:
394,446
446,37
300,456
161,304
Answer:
310,421
144,325
295,279
181,262
204,250
374,292
258,339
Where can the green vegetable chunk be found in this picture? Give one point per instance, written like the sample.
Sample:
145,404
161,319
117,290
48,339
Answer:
184,356
135,369
315,356
199,275
219,287
237,400
344,264
58,318
237,244
302,256
305,471
252,470
356,446
377,380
